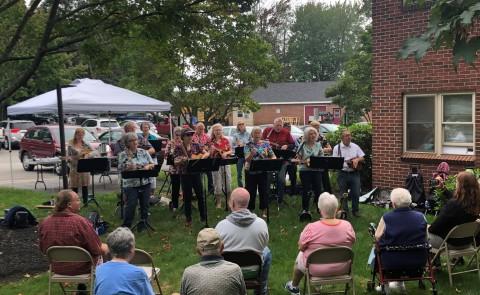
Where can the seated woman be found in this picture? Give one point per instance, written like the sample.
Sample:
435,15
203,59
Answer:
462,208
118,276
326,232
401,227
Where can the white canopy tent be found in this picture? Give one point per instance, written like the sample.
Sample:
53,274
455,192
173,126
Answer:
90,96
87,96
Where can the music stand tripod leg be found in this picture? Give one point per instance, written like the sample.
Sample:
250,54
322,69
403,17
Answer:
205,189
91,198
225,187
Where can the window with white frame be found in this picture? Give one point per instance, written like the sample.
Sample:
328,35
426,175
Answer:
440,123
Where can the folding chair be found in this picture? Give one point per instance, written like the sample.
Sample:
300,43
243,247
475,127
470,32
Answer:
143,260
251,264
466,230
69,254
326,256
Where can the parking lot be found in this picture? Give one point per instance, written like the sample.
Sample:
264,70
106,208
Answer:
19,178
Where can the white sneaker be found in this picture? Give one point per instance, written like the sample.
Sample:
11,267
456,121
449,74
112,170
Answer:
291,289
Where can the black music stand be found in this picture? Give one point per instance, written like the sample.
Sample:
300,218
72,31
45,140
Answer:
240,152
141,174
203,166
92,166
284,154
227,162
335,163
266,165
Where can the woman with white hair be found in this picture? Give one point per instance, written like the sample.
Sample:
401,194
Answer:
311,178
401,227
326,232
220,148
118,276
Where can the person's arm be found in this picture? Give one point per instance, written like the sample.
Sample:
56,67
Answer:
305,238
444,219
122,161
92,241
150,164
380,230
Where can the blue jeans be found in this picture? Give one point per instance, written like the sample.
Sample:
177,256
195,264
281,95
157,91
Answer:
240,164
139,194
267,262
349,180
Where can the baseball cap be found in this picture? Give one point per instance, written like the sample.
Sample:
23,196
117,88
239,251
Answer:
187,131
208,240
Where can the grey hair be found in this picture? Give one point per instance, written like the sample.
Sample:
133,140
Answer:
129,136
121,242
279,119
307,131
401,198
255,129
178,128
327,204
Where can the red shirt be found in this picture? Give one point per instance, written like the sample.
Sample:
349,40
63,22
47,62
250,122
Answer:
277,139
69,229
220,145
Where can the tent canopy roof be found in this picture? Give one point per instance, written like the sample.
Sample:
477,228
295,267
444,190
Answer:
90,96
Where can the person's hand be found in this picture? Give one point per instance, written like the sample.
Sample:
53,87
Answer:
355,163
284,147
327,150
205,155
131,166
254,152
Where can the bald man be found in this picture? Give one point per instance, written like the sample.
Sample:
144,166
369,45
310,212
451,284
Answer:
243,231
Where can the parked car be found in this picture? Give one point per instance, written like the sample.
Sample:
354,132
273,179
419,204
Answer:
134,116
44,142
324,128
37,119
97,126
17,130
296,132
139,123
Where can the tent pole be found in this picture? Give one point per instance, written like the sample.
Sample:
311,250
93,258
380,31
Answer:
170,124
61,127
9,132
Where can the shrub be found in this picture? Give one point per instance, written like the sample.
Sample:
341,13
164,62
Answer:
361,135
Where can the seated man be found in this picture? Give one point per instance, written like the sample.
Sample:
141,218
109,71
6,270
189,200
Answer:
327,232
242,230
65,227
118,276
402,227
213,275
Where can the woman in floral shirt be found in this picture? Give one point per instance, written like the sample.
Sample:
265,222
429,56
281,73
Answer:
190,180
220,148
255,150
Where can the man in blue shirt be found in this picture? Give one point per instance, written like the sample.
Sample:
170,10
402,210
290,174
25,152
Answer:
118,276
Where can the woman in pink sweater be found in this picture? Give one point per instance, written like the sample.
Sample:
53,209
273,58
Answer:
327,232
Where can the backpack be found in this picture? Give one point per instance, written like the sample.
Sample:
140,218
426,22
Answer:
19,217
99,225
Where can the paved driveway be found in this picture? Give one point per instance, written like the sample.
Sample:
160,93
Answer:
19,178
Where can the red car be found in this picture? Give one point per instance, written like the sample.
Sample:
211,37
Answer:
44,142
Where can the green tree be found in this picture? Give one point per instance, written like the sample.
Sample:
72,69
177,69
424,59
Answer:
63,26
353,90
451,25
322,40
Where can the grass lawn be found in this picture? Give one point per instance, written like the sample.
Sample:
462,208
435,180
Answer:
173,245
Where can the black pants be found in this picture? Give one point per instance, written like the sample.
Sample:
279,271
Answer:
190,183
138,194
84,193
311,180
175,181
254,182
210,186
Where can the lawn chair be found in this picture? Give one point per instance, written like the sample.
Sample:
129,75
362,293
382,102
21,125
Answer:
69,254
145,261
251,264
326,256
466,230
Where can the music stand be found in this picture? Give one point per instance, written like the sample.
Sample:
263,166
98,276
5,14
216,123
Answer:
141,174
266,165
227,162
240,152
92,166
284,154
203,166
335,163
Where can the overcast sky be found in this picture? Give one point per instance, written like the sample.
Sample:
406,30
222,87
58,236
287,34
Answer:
300,2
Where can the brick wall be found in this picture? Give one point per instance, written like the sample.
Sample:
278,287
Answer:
392,78
268,113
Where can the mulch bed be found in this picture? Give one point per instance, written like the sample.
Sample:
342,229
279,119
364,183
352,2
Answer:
19,253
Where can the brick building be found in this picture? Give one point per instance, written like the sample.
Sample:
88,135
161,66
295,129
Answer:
300,101
423,113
